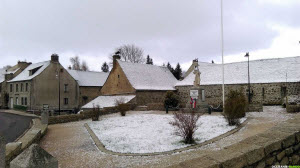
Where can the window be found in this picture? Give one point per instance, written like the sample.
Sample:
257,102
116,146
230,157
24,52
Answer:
11,88
17,87
26,87
203,95
22,87
25,101
66,88
66,101
17,101
33,71
22,101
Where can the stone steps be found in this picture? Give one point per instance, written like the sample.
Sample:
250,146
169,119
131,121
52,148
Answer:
141,108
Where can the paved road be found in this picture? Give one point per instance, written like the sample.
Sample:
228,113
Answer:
12,126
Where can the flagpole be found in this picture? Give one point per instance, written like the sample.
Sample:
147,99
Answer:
222,46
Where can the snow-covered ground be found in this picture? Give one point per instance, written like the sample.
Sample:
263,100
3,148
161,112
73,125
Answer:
147,133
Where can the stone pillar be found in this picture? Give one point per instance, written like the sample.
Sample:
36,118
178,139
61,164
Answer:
45,117
2,151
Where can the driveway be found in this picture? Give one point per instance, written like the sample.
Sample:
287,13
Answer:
13,126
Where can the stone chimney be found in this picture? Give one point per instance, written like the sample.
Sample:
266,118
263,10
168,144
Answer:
116,57
54,58
23,64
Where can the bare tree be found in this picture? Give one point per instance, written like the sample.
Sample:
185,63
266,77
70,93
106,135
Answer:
186,125
84,66
130,53
7,67
75,63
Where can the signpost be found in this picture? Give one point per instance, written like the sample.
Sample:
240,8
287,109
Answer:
45,114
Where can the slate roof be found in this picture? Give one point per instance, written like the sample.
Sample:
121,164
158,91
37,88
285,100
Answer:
89,78
261,71
148,77
25,76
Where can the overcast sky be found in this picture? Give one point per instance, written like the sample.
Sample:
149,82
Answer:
167,30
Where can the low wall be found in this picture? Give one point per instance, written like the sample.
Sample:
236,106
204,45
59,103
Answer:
279,145
33,135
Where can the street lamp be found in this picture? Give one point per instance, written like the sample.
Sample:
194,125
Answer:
247,55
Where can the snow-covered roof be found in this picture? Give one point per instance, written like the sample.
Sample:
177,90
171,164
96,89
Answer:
25,74
261,71
89,78
148,77
107,101
2,75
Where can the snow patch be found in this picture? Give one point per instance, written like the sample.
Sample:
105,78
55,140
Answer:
148,133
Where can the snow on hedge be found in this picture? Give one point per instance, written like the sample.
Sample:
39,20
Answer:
148,133
261,71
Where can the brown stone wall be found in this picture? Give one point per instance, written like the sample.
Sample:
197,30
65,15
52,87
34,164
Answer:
87,94
117,82
269,93
146,97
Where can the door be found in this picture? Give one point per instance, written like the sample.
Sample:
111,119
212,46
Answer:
11,102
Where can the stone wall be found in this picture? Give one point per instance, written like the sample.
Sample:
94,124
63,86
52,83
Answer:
279,145
117,82
87,94
146,97
268,93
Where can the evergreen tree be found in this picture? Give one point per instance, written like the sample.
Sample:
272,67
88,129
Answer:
212,61
105,67
149,60
169,66
177,72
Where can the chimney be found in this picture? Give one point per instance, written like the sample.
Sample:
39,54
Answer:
54,58
116,57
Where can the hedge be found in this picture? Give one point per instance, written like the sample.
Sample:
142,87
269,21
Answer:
19,107
293,108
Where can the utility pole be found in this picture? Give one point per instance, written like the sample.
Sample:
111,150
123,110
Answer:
222,48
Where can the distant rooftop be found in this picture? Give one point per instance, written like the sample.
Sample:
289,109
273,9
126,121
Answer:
89,78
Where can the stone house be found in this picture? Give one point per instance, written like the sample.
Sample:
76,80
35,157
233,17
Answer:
148,83
90,84
270,80
44,83
8,74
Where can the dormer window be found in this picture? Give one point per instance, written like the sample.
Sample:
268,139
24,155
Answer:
32,71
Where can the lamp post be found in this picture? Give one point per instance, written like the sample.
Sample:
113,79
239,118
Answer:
249,99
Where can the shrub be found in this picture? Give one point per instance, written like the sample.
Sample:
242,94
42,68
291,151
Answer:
123,108
96,113
293,108
186,125
19,107
235,107
171,99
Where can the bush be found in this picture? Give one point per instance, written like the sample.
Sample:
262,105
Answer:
96,113
186,125
235,107
171,99
293,108
19,107
123,108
